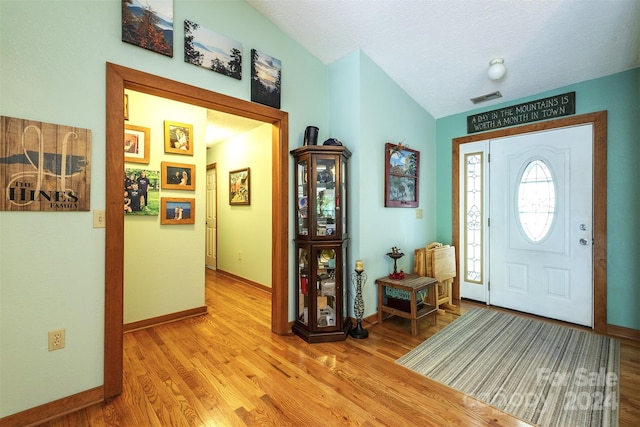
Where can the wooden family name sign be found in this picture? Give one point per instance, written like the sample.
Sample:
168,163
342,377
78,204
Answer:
44,166
541,109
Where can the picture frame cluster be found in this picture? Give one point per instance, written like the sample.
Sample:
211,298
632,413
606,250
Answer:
142,185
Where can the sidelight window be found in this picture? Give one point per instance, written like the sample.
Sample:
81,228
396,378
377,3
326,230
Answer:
473,217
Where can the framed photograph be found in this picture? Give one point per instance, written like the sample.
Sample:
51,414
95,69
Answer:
149,25
178,176
141,191
178,138
239,190
402,176
136,144
212,51
177,211
266,79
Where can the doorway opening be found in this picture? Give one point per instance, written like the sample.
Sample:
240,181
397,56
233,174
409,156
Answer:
120,78
599,255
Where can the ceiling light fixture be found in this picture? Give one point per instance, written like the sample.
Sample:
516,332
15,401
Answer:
497,69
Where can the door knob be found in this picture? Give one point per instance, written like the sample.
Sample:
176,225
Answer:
584,242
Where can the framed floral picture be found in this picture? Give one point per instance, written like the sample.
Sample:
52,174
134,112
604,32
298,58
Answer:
239,190
177,211
178,138
402,176
178,176
136,144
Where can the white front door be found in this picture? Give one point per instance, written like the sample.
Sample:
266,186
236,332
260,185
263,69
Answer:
211,218
541,217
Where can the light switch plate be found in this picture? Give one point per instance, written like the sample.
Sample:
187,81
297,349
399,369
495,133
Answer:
99,219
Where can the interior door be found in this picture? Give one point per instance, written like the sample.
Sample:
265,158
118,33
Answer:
541,216
212,220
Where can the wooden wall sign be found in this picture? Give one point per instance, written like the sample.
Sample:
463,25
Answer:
533,111
44,166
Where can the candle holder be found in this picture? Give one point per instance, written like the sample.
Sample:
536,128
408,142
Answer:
395,255
359,278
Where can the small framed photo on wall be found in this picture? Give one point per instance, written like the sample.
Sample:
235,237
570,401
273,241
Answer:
136,144
177,211
178,176
178,138
239,190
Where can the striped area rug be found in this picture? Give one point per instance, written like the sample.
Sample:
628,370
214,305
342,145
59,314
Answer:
545,374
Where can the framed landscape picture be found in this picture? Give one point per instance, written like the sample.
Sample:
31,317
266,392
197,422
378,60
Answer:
178,176
239,190
212,51
266,79
136,144
148,24
178,138
177,211
402,176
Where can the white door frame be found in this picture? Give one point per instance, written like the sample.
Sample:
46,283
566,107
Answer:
599,121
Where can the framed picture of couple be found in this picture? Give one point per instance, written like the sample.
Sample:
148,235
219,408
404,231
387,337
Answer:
178,176
178,138
177,211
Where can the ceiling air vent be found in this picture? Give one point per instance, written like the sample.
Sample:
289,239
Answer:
487,97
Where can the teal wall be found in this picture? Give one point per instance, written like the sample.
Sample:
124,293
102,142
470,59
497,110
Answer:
367,110
52,69
619,94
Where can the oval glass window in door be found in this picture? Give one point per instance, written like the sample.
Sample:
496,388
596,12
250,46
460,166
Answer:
536,200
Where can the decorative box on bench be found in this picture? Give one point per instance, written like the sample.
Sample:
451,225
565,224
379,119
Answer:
401,299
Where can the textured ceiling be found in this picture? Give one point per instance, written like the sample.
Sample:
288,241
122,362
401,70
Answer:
439,51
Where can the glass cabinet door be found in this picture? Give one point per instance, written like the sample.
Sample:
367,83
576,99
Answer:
303,285
302,196
325,188
326,287
343,196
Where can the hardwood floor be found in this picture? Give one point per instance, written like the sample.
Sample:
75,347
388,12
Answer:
228,369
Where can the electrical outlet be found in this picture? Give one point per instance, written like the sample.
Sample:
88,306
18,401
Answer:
239,255
419,213
56,339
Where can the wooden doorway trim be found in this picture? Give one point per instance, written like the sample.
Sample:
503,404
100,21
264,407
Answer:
120,78
599,122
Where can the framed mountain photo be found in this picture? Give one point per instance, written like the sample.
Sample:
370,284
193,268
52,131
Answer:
266,79
148,24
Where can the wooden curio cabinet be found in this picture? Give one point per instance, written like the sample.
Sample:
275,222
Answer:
322,292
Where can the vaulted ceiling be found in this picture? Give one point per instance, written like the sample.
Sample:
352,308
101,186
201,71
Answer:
438,51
